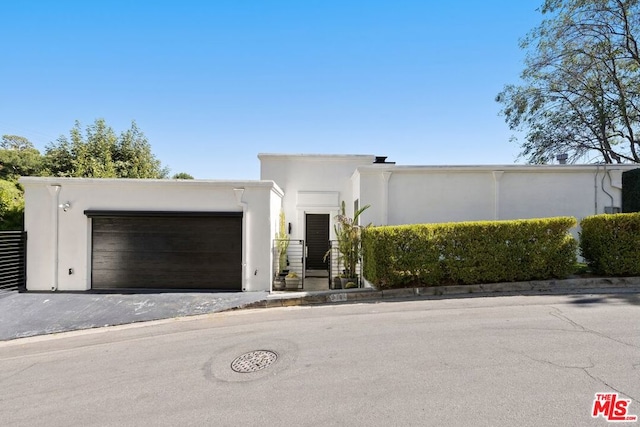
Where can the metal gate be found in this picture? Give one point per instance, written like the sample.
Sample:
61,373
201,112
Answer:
13,259
288,260
336,267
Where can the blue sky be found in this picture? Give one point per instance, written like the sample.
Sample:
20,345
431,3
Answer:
214,83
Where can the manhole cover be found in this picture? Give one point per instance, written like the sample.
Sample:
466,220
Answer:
253,361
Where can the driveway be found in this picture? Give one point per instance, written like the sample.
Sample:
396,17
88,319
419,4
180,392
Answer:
30,313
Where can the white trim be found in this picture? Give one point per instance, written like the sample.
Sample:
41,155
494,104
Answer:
496,193
386,176
239,192
54,191
318,198
372,169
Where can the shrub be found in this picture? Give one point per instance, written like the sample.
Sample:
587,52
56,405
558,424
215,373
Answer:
469,252
610,244
396,256
11,206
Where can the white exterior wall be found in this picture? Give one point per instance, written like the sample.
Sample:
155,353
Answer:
579,193
314,184
60,240
412,195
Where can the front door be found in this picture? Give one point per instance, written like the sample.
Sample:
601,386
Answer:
317,238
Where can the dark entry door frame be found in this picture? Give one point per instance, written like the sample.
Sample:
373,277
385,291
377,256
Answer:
317,235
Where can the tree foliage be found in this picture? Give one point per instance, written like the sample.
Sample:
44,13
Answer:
11,205
18,157
97,153
580,91
182,175
15,142
100,153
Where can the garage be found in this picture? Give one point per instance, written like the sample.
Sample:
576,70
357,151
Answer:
166,250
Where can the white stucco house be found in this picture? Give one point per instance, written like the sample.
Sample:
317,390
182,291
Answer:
95,234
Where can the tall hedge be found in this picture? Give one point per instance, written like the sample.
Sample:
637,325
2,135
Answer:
469,252
610,244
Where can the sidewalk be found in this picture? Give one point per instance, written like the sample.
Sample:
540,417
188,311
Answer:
595,285
29,314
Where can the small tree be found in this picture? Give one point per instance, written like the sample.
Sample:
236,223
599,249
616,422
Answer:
282,243
18,157
100,153
349,235
182,175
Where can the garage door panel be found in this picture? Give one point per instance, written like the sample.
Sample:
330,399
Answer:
162,243
162,225
167,252
171,261
145,279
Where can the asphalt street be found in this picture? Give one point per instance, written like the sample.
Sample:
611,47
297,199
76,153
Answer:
503,361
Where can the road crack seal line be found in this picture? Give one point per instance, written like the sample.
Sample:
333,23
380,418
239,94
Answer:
17,372
584,369
608,385
555,365
557,313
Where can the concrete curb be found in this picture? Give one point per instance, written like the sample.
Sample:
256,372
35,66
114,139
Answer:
601,285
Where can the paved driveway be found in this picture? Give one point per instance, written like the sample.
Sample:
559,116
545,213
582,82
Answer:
28,314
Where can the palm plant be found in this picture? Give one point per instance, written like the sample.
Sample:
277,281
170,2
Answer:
282,243
349,236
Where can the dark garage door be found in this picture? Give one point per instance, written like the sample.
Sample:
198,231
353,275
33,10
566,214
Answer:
166,251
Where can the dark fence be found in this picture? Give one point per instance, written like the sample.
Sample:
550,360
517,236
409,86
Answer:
13,249
336,269
288,260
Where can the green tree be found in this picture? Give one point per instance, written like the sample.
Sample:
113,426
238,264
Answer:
11,205
15,142
182,175
100,153
580,91
18,157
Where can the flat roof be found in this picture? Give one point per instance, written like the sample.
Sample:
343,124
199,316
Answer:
319,156
48,180
486,168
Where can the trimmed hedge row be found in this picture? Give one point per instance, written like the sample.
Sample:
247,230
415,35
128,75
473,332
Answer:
469,252
610,244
